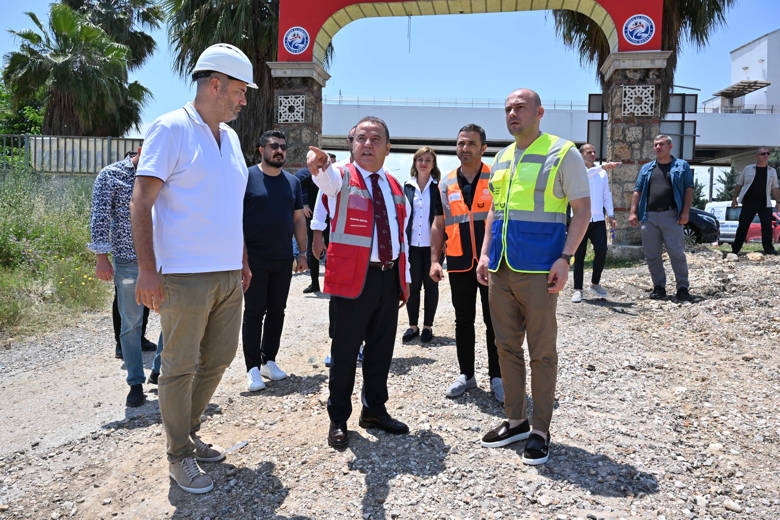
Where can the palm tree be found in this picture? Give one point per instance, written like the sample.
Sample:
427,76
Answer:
691,20
250,25
125,21
82,72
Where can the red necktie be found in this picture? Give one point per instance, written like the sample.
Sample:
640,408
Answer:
385,244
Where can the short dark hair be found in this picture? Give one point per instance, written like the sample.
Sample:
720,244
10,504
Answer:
332,156
376,121
265,136
472,127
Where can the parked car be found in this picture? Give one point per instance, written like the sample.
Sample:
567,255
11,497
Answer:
702,227
728,219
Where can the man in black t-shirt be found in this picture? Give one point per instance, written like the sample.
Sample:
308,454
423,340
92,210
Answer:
754,186
273,212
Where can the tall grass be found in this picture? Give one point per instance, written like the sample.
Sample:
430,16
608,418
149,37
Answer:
45,268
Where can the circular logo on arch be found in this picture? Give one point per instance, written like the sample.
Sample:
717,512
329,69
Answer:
296,40
639,29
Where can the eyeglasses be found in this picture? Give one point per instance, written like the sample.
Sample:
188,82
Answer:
762,153
276,146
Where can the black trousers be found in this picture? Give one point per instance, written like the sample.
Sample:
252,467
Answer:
264,304
314,262
749,210
371,317
597,234
464,287
420,267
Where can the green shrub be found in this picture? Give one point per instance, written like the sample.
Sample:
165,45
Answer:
44,263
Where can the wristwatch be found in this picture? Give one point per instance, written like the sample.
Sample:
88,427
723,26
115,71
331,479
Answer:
566,257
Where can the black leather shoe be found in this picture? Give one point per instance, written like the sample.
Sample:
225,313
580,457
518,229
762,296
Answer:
148,346
311,289
118,351
337,436
384,422
153,378
659,293
136,396
410,334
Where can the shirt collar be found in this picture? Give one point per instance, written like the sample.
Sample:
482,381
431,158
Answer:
367,174
195,116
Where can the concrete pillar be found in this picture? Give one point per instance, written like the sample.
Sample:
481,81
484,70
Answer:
298,106
632,100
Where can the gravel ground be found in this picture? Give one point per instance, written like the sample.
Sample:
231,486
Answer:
665,411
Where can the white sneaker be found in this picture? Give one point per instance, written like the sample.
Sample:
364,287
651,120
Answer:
271,371
576,297
497,386
599,290
460,385
254,382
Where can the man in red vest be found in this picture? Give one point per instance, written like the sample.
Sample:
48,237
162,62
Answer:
366,275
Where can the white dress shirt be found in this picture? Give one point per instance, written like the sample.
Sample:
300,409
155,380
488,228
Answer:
600,194
330,181
421,225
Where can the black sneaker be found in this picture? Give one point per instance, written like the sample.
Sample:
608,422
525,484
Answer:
136,397
311,289
683,295
148,346
504,435
659,293
118,351
537,450
153,378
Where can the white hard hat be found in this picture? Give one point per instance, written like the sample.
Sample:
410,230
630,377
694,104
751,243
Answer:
227,59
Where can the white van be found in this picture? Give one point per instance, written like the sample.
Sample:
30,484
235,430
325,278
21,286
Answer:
728,222
728,218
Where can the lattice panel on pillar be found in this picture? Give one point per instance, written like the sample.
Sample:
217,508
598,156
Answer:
291,109
639,100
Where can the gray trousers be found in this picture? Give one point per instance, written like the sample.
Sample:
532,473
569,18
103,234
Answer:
661,228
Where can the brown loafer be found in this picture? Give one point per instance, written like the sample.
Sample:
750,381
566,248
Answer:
337,436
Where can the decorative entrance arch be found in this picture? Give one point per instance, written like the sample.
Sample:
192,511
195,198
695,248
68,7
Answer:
307,27
632,72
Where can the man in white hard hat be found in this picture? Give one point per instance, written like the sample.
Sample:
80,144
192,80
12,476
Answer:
187,211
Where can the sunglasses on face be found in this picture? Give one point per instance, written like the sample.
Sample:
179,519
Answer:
276,146
763,153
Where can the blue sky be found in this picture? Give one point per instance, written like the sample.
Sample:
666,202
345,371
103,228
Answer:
454,56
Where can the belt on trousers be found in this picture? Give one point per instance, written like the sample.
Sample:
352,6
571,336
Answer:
382,266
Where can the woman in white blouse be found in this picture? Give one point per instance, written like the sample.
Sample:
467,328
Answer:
422,190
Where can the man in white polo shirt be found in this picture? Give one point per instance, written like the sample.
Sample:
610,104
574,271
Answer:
187,219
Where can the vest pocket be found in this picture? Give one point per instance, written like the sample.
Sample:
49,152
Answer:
339,269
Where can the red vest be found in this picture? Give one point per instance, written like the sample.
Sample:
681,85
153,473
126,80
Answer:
352,233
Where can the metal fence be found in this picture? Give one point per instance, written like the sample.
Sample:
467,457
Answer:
62,155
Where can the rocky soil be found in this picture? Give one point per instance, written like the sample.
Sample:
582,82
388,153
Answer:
665,411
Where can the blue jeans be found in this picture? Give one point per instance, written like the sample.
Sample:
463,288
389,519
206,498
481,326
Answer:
125,276
158,355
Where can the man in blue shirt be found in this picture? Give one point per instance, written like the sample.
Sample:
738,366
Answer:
110,230
661,203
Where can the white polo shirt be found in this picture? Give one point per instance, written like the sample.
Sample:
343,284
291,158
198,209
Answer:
198,214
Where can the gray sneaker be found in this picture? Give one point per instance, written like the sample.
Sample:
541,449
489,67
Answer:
460,385
188,475
598,290
497,387
207,452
